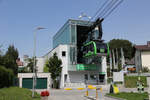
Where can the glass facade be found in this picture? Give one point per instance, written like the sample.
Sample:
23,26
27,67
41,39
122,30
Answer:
62,36
73,34
72,55
68,33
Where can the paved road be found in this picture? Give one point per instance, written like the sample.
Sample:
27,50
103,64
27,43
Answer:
75,95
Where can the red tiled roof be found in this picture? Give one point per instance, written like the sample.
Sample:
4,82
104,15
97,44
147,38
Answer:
142,47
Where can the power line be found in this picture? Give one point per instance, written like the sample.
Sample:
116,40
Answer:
105,10
107,7
105,16
99,9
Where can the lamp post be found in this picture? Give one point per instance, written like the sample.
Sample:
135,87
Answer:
34,61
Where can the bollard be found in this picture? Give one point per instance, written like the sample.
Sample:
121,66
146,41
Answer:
87,93
96,94
101,89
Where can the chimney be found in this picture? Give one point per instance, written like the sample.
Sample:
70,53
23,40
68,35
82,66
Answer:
148,43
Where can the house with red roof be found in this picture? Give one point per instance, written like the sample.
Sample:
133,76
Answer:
142,56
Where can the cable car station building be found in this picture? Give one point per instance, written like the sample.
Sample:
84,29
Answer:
77,69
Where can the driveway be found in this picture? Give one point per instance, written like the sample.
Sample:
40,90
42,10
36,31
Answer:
75,95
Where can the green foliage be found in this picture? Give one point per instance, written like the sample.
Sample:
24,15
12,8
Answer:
119,66
130,95
145,69
125,44
109,80
54,65
46,69
23,70
131,81
109,72
30,65
15,93
9,59
6,77
1,50
1,60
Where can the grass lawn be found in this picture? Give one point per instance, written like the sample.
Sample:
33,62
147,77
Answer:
16,93
131,81
130,96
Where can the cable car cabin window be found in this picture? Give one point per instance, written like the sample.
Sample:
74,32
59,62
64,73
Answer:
90,48
101,48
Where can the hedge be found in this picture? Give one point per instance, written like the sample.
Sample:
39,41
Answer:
6,77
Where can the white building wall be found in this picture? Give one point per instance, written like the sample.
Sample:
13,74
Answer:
65,60
40,64
145,56
73,77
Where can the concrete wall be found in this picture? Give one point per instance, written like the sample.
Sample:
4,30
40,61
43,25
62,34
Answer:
145,56
79,76
65,60
30,75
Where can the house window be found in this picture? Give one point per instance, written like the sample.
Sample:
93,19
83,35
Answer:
63,53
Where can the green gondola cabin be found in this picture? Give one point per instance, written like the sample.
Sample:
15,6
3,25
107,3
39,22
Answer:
95,48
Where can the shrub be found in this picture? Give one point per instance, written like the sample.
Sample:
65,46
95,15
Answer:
44,93
6,77
131,81
145,69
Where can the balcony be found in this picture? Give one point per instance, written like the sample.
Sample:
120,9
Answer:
84,67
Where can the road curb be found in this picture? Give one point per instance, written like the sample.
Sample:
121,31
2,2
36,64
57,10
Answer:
114,97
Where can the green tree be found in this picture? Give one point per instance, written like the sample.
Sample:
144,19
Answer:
127,46
54,65
1,56
46,69
30,64
1,50
6,77
10,58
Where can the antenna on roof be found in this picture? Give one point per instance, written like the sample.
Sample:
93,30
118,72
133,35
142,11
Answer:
84,15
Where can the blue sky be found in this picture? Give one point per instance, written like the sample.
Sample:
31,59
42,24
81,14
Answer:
19,18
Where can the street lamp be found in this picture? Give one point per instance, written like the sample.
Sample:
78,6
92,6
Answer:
34,61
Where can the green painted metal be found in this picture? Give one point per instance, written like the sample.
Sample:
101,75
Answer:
41,83
89,67
108,49
95,49
90,53
28,82
103,73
